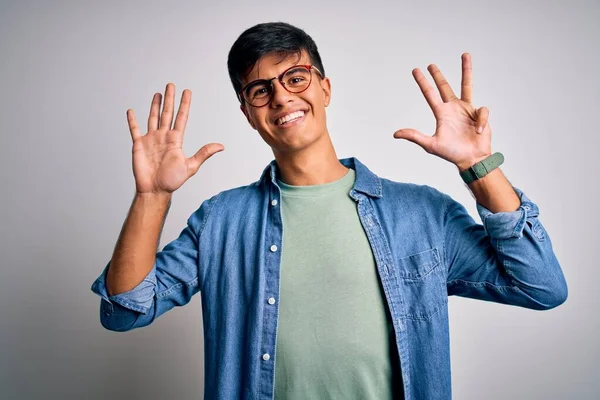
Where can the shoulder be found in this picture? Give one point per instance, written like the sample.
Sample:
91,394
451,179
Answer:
245,194
412,193
229,202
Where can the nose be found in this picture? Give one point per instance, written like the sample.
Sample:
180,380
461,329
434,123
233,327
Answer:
280,94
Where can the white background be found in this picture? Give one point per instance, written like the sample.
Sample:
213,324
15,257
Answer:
69,71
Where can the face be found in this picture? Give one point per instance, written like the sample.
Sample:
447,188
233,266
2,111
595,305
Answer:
310,128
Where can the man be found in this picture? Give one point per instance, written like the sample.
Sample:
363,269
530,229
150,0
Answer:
322,280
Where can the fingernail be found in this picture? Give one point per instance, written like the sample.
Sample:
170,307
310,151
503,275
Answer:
479,129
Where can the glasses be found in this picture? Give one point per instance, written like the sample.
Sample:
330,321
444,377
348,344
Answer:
295,79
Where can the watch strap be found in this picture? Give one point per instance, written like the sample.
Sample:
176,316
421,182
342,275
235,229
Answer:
482,168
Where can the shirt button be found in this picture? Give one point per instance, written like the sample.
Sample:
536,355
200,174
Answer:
274,203
271,300
266,357
273,248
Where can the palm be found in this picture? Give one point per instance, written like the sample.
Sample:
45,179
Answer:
456,138
159,164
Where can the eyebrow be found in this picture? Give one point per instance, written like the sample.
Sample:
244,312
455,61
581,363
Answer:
256,82
292,70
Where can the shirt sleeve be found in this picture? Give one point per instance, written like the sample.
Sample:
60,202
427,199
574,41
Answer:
172,281
138,299
508,259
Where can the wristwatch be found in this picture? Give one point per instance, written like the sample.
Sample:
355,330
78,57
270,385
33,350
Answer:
482,168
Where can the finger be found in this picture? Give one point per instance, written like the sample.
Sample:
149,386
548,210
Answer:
183,112
166,117
466,84
154,112
442,84
482,118
428,91
133,125
205,152
417,137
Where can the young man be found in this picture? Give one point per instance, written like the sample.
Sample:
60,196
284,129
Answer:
322,280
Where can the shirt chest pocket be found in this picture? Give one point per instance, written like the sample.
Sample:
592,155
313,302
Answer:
422,283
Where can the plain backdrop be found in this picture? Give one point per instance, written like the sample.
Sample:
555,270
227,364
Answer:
70,70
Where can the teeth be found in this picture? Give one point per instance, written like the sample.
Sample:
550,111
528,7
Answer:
289,117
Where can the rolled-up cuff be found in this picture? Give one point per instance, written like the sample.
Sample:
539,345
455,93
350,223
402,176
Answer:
505,225
139,298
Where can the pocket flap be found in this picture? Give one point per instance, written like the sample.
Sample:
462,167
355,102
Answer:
419,265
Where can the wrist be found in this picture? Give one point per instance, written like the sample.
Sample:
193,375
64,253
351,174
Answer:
464,165
153,198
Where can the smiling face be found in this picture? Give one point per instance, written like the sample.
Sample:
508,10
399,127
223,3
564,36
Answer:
291,121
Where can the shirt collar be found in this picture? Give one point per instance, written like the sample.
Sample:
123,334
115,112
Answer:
366,181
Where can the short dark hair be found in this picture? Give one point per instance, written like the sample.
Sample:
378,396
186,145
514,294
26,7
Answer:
265,38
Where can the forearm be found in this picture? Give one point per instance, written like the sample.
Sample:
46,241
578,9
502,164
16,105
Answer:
495,192
507,259
135,251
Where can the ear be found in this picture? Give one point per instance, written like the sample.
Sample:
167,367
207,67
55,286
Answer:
247,115
326,86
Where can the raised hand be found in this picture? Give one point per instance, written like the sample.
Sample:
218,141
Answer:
159,164
462,135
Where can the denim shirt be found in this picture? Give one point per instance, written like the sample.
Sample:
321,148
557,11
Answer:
426,248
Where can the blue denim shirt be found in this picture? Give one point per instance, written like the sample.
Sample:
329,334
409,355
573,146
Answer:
426,247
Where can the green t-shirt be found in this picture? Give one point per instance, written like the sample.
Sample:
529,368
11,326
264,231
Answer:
335,338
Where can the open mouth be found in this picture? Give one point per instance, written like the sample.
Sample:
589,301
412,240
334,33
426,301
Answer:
291,119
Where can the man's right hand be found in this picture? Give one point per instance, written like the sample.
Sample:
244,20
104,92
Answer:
159,164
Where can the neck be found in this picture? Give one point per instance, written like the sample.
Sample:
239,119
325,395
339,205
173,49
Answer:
310,166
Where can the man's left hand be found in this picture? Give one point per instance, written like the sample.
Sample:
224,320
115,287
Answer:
462,134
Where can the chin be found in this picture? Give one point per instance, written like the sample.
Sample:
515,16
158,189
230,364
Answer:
297,143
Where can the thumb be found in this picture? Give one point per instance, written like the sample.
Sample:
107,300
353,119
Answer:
415,136
205,152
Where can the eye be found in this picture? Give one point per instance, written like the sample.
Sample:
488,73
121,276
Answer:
259,91
296,79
